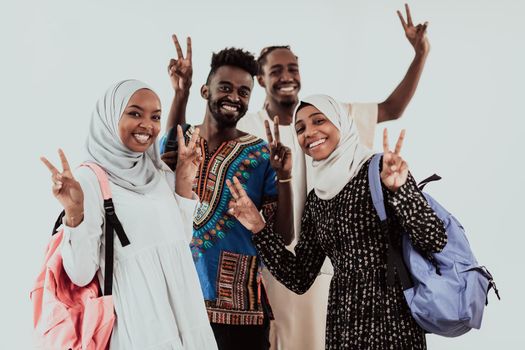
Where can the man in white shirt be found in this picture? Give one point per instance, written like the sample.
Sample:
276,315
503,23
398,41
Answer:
300,320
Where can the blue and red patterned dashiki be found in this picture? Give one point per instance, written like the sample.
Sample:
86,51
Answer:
223,251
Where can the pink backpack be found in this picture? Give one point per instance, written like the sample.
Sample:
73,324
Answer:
65,315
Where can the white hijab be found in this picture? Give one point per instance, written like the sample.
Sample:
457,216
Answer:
331,175
135,171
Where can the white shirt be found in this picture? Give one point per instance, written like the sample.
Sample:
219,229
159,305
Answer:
156,292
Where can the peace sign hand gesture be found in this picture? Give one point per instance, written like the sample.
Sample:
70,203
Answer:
280,155
67,190
180,70
416,35
189,159
243,209
395,170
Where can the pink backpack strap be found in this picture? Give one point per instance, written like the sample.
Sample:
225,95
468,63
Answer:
102,177
112,225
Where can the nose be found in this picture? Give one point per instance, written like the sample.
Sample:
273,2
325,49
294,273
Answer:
286,76
234,96
146,125
309,132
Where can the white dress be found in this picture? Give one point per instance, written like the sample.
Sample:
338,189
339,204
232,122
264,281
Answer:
156,292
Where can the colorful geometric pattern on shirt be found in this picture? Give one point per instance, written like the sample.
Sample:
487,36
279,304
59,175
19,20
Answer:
238,298
238,158
239,284
238,281
234,317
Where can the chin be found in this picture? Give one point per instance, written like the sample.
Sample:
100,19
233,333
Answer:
140,148
227,120
289,101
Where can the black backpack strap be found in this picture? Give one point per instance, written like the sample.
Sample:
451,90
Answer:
395,262
58,222
112,224
421,185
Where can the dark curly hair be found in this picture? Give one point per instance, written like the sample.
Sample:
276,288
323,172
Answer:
232,56
261,60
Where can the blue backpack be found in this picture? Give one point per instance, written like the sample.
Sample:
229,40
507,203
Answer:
447,291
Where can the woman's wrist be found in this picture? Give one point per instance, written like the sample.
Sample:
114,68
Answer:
184,189
258,227
74,217
284,176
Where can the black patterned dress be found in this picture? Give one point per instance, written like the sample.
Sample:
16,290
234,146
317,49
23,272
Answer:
363,311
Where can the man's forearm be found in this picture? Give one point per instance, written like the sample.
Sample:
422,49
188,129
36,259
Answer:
177,115
394,106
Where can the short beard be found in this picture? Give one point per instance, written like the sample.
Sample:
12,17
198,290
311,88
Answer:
288,103
224,122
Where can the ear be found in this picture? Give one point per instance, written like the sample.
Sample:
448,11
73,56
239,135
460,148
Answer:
260,80
205,92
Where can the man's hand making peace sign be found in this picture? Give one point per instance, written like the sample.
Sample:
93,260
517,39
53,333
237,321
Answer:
416,35
280,155
180,70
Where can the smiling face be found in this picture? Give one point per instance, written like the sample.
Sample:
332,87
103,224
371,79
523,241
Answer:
139,125
280,77
317,135
228,94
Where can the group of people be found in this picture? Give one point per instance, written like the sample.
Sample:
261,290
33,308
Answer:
238,242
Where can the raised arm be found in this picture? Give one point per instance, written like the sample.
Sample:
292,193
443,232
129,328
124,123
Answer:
82,202
180,71
425,229
281,162
394,106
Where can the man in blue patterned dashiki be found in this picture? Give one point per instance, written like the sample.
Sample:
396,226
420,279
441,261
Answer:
225,256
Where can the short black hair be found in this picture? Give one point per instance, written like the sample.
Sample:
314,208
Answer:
261,60
232,56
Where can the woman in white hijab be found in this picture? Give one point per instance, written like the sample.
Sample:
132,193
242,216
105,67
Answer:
156,292
339,221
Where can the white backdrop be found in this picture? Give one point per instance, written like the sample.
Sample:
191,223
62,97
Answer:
465,122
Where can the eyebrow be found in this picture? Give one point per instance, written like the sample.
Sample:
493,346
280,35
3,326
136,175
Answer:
142,109
311,115
282,65
230,84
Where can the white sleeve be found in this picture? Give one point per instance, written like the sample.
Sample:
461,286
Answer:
81,245
186,206
187,209
365,117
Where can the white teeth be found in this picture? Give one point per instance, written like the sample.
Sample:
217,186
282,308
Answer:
287,89
229,108
142,138
317,143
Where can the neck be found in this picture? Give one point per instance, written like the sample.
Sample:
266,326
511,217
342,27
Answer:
285,113
215,134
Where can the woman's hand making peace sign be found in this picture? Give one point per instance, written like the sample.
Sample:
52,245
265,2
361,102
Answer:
67,190
395,170
242,207
189,159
